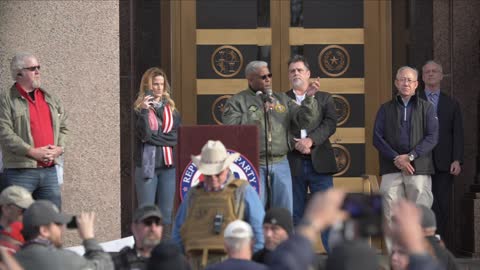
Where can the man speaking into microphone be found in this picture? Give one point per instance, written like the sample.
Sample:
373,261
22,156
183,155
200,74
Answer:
274,113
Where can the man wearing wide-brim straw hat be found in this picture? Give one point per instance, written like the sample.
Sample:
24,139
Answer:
212,204
214,158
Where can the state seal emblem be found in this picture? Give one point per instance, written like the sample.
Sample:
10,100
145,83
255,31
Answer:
342,157
334,60
227,61
342,106
241,168
218,106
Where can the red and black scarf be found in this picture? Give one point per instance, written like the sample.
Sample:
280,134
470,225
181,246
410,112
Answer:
167,125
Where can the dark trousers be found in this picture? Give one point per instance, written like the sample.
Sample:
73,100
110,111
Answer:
442,189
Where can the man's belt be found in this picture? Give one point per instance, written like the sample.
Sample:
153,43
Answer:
303,156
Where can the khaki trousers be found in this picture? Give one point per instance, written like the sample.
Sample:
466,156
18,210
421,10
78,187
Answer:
415,188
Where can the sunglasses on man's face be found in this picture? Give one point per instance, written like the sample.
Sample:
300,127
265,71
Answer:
264,77
20,209
32,68
150,221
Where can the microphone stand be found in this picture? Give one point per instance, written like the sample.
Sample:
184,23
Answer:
268,140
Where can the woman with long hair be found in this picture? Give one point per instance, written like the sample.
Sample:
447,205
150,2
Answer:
157,121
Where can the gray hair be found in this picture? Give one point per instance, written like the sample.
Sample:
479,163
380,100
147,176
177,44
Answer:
253,66
18,63
434,63
236,244
414,70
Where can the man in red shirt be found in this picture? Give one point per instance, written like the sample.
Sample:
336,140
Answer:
32,131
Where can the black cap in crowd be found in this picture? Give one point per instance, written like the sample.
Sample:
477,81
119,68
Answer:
280,217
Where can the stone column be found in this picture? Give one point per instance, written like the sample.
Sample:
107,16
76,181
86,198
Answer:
456,32
77,43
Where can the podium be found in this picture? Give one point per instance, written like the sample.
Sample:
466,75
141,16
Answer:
237,138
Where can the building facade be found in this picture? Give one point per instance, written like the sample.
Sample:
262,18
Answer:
94,52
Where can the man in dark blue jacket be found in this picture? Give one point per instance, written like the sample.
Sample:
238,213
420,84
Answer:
405,132
448,154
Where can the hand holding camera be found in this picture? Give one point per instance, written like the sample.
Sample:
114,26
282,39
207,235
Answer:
148,100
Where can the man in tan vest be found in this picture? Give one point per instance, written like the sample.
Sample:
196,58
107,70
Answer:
208,208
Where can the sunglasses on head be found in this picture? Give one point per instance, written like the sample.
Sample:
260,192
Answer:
264,77
32,68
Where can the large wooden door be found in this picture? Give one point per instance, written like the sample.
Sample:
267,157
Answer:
346,42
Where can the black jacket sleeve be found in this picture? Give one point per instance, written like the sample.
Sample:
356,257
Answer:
328,123
158,138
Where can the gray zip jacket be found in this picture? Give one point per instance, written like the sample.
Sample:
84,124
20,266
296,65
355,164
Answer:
44,256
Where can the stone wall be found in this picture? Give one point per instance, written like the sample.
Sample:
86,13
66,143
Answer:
77,44
456,35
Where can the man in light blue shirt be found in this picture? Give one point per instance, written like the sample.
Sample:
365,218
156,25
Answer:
211,205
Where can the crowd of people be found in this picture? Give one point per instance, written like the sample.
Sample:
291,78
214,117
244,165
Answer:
221,223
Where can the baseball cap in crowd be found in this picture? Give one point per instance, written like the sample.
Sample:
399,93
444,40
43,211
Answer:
16,195
281,217
145,212
238,229
428,217
43,212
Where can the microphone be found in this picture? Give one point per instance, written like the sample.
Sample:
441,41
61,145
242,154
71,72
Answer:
266,96
268,92
269,95
261,95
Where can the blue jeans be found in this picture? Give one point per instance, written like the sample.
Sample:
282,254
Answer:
281,182
316,182
159,190
41,182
